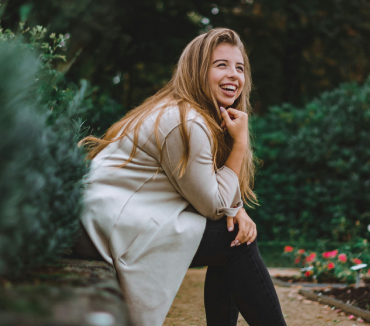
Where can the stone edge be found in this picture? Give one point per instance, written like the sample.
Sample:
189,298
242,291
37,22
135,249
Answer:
337,304
320,285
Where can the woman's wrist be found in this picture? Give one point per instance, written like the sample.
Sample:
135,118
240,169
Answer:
235,159
240,211
239,145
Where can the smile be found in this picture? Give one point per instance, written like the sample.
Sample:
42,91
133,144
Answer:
229,90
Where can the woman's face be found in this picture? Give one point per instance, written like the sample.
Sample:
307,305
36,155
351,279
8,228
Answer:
226,74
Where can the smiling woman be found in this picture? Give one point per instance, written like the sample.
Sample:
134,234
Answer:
226,74
166,192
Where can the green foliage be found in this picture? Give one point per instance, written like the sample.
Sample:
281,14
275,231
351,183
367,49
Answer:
332,265
297,49
36,34
315,181
98,111
41,166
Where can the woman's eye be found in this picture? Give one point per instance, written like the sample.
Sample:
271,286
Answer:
240,68
221,64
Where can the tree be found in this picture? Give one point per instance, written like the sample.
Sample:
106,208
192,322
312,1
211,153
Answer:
297,49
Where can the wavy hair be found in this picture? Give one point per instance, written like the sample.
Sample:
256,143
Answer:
189,88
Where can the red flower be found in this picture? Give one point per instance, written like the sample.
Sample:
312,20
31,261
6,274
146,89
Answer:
311,257
288,249
331,266
330,254
342,258
357,261
301,251
308,273
297,260
326,254
334,253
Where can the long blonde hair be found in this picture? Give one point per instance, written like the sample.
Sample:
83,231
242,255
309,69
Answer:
189,88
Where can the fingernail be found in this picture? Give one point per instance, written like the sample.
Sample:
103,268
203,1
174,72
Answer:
232,245
248,243
230,228
222,109
236,242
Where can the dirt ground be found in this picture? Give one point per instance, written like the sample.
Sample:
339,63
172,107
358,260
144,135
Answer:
188,308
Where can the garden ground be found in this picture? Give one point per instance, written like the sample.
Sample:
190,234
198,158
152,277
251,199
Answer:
188,308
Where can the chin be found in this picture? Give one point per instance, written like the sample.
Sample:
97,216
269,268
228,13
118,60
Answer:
226,104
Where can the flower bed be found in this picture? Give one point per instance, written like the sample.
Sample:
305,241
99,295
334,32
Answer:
331,266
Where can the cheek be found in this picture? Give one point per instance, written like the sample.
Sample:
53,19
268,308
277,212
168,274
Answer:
242,80
241,83
215,77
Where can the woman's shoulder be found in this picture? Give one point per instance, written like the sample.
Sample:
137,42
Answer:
171,118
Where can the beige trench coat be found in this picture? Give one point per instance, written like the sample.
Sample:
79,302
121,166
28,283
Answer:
149,224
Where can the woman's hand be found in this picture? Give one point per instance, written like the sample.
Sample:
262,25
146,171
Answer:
236,122
247,228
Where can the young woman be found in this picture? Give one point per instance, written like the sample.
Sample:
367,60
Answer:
167,185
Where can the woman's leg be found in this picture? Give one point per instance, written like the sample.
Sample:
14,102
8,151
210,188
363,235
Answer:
252,288
244,276
84,248
218,301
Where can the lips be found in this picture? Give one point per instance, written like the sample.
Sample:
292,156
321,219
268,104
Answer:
229,89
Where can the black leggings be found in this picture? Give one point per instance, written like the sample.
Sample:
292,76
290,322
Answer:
237,280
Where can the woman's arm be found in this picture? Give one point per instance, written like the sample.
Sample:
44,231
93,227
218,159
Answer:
235,159
237,125
236,122
212,193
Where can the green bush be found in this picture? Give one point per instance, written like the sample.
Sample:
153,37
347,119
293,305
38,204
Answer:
41,166
315,180
96,110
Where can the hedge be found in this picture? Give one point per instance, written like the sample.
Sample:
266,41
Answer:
41,166
315,178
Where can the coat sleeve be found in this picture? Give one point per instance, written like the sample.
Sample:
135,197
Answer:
212,193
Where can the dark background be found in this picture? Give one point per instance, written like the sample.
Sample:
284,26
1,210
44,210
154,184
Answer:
297,48
311,95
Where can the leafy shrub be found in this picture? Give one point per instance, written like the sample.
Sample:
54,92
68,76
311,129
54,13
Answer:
96,110
332,265
41,167
315,182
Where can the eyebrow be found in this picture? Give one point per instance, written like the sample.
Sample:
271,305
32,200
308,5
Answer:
239,63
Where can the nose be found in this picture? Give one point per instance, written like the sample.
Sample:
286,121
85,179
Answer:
232,73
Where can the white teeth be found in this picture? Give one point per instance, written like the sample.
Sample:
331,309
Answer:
228,87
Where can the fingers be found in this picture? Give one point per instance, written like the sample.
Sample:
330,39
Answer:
230,223
236,124
225,115
251,235
238,238
247,233
234,113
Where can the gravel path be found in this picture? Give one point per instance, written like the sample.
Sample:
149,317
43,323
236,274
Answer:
188,308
